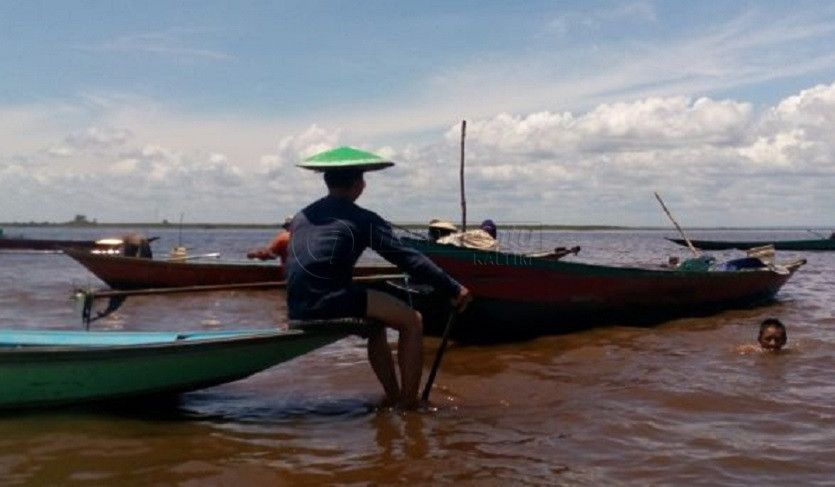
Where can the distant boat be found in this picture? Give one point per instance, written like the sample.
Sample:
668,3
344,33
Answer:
18,244
120,272
516,294
808,244
49,368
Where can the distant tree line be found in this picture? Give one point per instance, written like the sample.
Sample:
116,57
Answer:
81,220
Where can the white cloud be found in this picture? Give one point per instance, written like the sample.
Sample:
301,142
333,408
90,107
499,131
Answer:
175,44
674,119
594,20
812,107
598,166
95,137
291,149
776,151
61,151
796,133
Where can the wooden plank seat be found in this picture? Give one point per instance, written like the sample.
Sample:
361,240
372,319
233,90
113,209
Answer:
363,327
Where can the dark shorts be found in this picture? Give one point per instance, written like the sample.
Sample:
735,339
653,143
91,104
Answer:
349,302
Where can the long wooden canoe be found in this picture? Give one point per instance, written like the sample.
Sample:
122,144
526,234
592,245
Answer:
808,244
518,294
19,244
49,368
120,272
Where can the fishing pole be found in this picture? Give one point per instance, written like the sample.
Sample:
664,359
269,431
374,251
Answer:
680,231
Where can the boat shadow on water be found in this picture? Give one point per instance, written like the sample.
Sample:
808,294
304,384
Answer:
254,407
158,407
213,405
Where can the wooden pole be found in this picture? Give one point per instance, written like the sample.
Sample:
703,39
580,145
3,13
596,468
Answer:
109,293
461,177
436,364
689,244
215,255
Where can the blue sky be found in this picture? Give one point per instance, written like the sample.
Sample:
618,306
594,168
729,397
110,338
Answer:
576,111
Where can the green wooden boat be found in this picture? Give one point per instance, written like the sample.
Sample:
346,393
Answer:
49,368
516,295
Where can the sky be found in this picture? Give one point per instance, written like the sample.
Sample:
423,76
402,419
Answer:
576,112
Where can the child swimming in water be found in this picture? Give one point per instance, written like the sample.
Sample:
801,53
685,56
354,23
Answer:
772,335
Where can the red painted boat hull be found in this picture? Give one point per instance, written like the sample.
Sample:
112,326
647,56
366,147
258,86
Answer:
120,272
516,293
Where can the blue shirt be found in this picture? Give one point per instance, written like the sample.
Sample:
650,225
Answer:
326,240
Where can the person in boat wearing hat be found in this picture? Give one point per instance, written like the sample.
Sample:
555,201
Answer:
328,237
483,238
277,248
489,228
440,228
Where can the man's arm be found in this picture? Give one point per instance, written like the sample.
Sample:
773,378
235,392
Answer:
388,245
273,250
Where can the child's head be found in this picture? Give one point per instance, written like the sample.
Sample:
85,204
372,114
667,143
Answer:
772,335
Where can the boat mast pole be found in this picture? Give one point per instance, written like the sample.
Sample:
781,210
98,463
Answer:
689,243
427,388
461,178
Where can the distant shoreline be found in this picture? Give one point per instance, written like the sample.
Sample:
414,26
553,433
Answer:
409,226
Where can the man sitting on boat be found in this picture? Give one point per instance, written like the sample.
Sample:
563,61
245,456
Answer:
136,245
483,238
277,248
328,237
440,228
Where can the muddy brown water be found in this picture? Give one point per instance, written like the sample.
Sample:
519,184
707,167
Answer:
673,404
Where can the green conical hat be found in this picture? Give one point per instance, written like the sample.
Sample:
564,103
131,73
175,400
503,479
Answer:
345,158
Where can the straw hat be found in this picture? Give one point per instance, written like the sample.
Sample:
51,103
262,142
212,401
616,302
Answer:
345,158
442,225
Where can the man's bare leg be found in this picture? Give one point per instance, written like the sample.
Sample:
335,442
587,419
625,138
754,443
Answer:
409,325
379,356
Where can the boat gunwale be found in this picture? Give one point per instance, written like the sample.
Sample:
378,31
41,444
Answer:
517,260
804,245
52,353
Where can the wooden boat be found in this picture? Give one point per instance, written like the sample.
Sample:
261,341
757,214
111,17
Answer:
19,244
120,272
48,368
515,294
808,244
